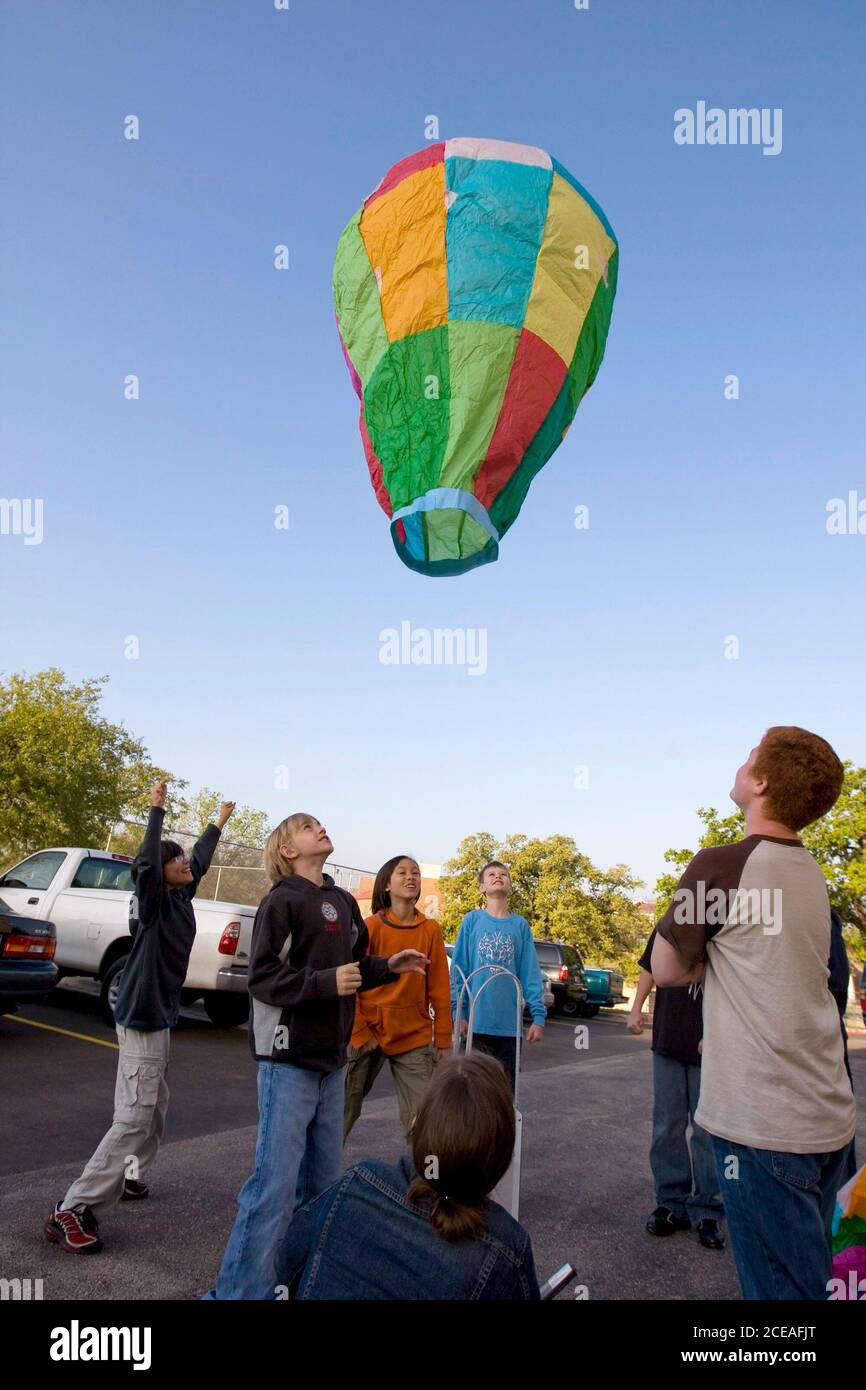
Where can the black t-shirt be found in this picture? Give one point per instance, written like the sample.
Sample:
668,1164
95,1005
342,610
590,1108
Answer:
678,1023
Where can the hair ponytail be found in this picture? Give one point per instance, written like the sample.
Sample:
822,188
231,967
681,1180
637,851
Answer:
451,1219
465,1122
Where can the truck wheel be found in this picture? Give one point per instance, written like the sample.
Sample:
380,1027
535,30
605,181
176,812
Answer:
227,1010
570,1008
108,988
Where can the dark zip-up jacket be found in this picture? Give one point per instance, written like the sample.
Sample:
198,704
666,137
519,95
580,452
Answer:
301,935
162,923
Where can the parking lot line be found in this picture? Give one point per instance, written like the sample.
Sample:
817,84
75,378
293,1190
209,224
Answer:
50,1028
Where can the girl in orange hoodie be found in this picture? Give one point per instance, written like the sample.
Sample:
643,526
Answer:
394,1020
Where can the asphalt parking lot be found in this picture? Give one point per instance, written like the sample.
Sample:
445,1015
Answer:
586,1184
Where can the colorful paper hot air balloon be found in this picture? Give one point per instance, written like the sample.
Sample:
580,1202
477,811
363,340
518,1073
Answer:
849,1239
473,291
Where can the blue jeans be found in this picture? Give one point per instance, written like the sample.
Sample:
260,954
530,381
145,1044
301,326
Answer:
780,1215
299,1152
685,1182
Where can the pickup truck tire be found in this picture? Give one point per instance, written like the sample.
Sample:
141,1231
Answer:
108,987
226,1010
588,1010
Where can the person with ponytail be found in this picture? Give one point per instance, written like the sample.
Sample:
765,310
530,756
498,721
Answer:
393,1022
425,1228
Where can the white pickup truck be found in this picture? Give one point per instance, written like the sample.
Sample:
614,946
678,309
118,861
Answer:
86,893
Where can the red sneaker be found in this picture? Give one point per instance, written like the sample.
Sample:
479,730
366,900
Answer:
74,1230
133,1191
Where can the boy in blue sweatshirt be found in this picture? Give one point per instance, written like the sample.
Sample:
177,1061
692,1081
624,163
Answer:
494,936
307,962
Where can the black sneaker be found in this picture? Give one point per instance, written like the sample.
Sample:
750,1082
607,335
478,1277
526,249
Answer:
709,1235
75,1230
665,1222
133,1191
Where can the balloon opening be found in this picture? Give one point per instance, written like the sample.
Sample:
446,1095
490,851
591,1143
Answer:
447,531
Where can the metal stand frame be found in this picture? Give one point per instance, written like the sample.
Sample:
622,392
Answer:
507,1190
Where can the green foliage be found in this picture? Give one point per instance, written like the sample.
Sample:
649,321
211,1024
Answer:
247,829
837,840
718,830
560,892
68,775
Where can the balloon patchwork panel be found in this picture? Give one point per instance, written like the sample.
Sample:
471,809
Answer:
473,292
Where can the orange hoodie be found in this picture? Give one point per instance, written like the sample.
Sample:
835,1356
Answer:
397,1015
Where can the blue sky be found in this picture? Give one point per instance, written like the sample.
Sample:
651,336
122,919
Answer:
260,648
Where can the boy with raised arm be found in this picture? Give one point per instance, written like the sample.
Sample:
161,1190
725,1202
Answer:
148,1001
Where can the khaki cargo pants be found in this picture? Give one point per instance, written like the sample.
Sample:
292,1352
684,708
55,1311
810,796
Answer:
140,1103
411,1072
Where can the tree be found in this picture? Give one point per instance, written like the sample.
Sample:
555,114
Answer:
68,775
236,874
718,830
246,831
560,892
837,840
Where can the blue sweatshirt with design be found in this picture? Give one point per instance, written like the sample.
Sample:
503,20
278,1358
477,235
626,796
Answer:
487,944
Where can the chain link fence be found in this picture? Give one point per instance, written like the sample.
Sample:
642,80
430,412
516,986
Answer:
236,875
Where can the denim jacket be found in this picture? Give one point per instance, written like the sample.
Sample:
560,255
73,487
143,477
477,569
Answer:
361,1239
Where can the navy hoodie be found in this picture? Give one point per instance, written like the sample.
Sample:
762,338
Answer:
301,935
162,922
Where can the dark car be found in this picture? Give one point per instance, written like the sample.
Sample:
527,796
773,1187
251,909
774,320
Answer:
563,971
27,969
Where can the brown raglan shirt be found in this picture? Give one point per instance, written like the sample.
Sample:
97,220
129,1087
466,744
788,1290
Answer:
773,1074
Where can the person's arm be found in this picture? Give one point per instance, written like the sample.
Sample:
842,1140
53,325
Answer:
679,951
439,991
529,972
374,969
642,992
531,1292
203,849
837,965
460,968
149,874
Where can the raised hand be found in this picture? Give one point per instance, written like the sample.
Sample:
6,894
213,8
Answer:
226,808
158,793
